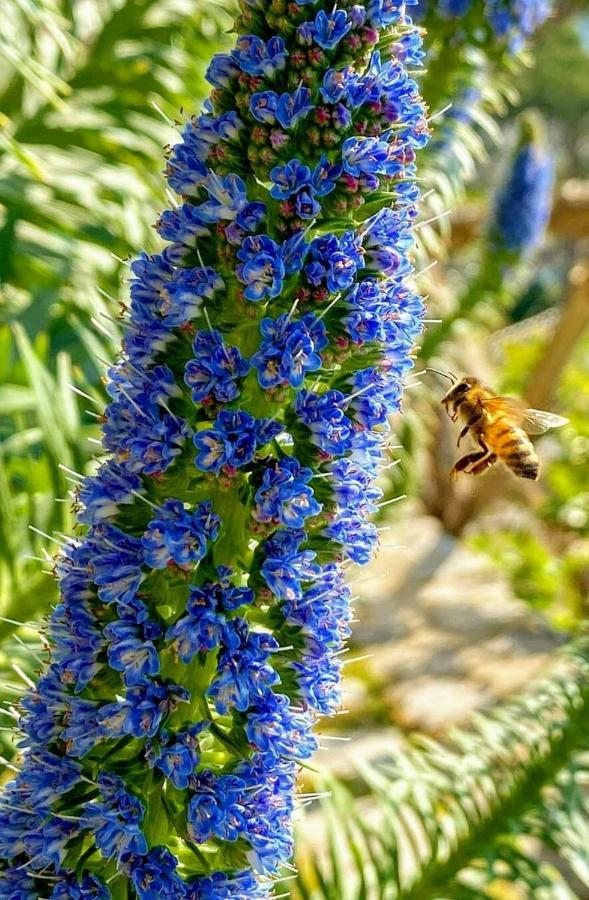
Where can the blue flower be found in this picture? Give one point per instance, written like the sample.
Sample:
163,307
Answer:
221,71
262,269
251,215
178,535
274,728
215,810
293,253
131,650
15,882
176,754
227,198
256,57
352,486
286,568
243,672
382,13
183,225
142,711
150,276
292,107
263,106
284,496
200,629
263,276
78,642
324,178
102,494
45,779
46,843
335,84
216,369
335,260
357,536
223,886
328,30
154,875
289,350
323,415
183,296
323,612
306,206
366,155
185,171
115,819
289,179
115,564
89,887
318,677
232,441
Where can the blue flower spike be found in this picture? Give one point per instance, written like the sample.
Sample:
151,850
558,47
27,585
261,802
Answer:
510,22
203,606
524,201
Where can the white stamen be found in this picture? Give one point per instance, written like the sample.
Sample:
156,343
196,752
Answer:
167,409
326,310
394,500
123,262
23,675
72,472
166,118
356,659
101,328
105,294
443,215
423,271
439,113
27,648
48,536
77,390
292,311
145,500
391,465
132,402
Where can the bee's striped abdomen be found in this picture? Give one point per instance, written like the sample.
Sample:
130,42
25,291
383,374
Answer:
514,448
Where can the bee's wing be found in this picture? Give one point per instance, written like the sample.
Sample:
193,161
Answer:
534,421
537,421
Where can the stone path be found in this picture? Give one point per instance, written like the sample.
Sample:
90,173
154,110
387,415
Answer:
447,637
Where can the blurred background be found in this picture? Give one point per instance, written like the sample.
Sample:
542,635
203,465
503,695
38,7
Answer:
479,582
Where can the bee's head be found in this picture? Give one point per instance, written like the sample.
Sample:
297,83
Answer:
459,389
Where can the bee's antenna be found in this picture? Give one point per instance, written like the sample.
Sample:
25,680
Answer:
449,375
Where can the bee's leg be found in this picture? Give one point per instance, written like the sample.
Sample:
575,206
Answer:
462,434
468,460
483,464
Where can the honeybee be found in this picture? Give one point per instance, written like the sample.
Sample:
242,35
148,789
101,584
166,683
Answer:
500,426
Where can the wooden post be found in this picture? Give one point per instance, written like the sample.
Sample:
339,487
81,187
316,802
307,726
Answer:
569,330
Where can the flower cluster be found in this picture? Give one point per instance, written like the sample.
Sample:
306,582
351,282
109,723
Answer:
524,201
203,608
511,21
